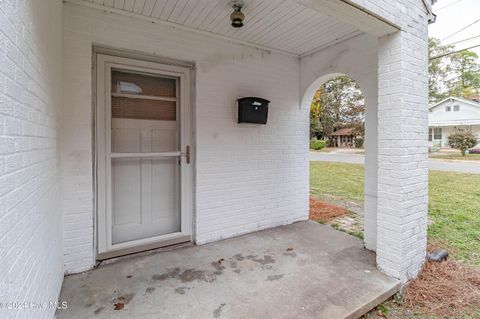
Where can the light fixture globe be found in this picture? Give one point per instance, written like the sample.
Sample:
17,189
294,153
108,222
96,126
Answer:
237,17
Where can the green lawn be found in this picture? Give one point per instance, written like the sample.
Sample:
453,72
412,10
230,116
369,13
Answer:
344,181
454,207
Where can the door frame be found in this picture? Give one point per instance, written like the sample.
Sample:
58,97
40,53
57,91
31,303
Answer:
104,60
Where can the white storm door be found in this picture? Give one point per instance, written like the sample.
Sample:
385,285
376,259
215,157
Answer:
143,130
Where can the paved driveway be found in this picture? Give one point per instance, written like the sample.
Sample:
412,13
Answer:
434,164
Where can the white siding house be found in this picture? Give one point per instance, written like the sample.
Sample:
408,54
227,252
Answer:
452,115
82,174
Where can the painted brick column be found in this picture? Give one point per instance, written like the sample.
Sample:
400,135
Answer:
403,149
370,203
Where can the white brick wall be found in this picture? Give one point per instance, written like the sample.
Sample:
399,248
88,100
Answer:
399,12
403,147
30,103
247,178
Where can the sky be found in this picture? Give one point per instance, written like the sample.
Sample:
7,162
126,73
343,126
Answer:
453,15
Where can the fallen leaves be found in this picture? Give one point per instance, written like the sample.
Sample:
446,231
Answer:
324,212
445,288
118,306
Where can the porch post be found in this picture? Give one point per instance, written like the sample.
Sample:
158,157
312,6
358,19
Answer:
403,150
370,202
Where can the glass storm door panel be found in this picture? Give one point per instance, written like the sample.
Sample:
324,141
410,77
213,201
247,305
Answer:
145,173
143,132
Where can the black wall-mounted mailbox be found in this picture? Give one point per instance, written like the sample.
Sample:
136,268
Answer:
252,110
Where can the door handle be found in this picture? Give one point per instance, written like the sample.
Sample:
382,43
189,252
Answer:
187,154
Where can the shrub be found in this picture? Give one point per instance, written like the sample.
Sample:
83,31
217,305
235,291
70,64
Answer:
358,142
317,144
462,141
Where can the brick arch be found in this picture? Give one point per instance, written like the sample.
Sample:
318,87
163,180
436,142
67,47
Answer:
314,87
316,84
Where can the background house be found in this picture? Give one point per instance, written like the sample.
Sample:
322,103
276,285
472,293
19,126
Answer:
344,137
452,115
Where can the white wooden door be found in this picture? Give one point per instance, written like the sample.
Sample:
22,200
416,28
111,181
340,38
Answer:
143,132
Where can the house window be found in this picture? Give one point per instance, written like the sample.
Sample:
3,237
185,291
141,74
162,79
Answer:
437,133
456,108
448,108
430,134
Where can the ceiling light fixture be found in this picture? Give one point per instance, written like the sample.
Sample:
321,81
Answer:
237,15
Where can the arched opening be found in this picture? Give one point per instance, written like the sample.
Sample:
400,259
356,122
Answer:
337,114
337,110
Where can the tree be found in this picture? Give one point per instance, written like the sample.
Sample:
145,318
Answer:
438,69
338,103
452,74
466,74
462,141
315,126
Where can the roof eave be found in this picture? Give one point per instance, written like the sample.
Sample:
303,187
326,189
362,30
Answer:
456,99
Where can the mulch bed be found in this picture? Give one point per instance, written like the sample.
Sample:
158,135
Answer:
445,289
324,212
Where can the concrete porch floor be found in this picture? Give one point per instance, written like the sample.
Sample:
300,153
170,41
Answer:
304,270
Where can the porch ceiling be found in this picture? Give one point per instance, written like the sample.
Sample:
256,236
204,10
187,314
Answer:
285,26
